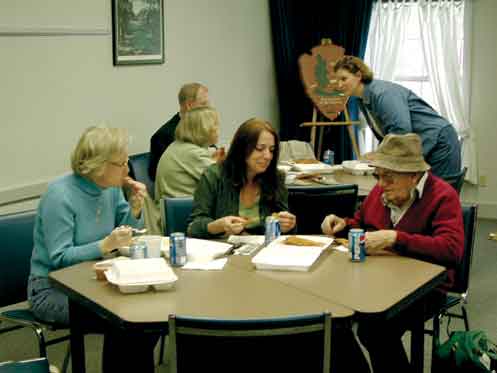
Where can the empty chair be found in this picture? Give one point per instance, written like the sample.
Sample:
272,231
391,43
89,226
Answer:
457,180
176,212
138,170
16,244
296,344
311,204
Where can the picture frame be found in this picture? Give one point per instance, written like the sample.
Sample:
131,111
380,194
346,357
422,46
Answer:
138,32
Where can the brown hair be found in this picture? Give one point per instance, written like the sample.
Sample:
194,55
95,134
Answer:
243,144
353,65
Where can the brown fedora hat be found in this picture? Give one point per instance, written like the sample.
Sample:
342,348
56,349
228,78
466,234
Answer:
400,153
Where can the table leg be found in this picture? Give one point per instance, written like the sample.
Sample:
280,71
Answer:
417,339
77,337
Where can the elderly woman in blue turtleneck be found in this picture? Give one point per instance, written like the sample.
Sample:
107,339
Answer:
84,216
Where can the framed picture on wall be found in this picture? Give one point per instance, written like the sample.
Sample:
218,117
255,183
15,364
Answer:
138,32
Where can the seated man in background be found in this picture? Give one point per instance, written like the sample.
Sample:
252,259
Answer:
190,96
409,212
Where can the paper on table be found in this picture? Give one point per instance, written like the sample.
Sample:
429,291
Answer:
279,256
246,239
341,248
198,250
213,265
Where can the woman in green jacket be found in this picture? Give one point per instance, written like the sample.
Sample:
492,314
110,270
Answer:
236,196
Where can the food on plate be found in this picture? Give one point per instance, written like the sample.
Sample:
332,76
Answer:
341,241
300,241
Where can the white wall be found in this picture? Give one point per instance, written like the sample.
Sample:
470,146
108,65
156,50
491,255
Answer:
52,87
483,104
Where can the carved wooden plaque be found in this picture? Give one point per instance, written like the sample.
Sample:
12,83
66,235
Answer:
318,77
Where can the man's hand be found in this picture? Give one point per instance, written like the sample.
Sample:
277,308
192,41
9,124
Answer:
332,224
381,242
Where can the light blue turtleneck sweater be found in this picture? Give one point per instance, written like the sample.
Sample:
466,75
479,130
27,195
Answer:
74,215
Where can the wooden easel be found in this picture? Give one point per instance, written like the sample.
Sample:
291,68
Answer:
347,122
317,76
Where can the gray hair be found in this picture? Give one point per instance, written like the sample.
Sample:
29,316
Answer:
97,145
197,125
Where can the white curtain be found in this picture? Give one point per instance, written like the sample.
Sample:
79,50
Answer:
387,31
440,22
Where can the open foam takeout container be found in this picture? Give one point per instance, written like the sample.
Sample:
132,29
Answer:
136,276
357,168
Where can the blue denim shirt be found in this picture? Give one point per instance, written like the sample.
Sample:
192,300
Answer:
398,110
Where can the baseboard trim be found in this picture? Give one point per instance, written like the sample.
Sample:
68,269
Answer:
17,194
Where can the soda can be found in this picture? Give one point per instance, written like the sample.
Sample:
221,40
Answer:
357,246
272,229
138,250
177,249
329,157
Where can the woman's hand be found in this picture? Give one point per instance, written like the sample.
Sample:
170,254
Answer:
138,191
380,242
287,221
119,237
332,224
228,225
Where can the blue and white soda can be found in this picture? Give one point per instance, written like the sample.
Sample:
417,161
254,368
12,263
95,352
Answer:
272,229
177,249
138,250
329,157
357,247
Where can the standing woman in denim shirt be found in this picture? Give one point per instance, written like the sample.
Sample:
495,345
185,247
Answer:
391,108
84,216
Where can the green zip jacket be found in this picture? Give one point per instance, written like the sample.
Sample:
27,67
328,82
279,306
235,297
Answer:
216,197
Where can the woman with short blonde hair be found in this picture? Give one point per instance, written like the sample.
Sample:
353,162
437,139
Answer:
181,165
97,145
84,216
198,126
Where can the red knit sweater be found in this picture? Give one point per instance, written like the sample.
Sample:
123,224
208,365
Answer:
431,229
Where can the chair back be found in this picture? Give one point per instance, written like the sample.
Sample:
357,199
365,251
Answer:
16,247
295,149
296,344
457,180
311,204
469,215
176,213
138,170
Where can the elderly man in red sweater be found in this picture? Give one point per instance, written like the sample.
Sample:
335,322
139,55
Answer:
409,212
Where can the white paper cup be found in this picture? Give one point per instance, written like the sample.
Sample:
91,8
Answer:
154,244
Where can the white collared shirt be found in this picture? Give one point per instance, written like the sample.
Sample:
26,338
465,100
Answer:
396,212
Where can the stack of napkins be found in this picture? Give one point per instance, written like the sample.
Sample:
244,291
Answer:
289,257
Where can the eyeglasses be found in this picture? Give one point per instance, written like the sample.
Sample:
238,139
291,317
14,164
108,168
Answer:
119,164
387,177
